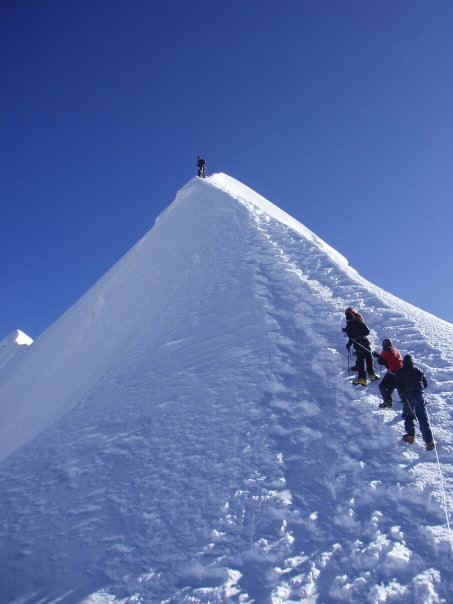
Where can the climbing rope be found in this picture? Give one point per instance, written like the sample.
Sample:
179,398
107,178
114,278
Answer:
443,490
442,487
368,350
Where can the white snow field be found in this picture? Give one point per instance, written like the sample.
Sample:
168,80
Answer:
187,431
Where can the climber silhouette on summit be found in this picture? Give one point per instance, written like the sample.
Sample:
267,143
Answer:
201,166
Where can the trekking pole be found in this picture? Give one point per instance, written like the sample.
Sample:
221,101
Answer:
379,367
349,359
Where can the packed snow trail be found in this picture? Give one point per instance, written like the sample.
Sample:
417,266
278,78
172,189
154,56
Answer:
216,450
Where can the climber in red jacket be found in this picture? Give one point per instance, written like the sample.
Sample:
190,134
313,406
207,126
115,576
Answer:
391,358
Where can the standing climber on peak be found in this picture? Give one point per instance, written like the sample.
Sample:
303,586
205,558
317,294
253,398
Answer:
201,166
391,358
357,332
411,382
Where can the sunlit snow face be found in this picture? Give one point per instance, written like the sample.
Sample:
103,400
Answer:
22,339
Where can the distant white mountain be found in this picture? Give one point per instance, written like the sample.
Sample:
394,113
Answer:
11,350
187,432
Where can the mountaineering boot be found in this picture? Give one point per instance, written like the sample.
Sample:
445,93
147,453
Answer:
359,382
430,446
373,377
408,438
385,406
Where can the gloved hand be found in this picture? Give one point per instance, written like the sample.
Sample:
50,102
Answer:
375,354
348,345
344,329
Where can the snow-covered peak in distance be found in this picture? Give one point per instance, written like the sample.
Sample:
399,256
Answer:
16,338
188,432
12,347
22,339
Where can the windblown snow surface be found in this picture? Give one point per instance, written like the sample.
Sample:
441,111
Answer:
187,431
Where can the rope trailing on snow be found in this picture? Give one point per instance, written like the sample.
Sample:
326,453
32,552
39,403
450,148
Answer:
442,487
442,481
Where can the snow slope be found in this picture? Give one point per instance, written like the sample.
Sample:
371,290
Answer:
188,432
12,349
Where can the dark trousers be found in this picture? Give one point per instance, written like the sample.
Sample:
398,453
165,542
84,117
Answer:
387,386
364,359
414,407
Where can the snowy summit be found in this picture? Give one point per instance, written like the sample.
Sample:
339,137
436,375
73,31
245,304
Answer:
188,430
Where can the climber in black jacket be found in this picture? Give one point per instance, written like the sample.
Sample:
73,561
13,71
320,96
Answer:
357,332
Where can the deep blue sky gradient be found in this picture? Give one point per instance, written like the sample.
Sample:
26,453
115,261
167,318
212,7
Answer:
339,112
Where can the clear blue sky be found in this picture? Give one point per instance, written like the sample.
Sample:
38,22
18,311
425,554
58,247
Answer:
339,112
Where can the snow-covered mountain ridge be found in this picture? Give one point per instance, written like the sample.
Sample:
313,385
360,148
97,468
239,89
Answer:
187,432
435,329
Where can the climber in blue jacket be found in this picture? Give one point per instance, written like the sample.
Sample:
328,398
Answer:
411,382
